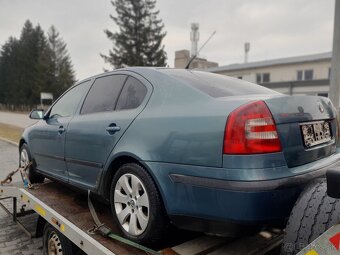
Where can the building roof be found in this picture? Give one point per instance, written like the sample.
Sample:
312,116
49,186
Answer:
272,62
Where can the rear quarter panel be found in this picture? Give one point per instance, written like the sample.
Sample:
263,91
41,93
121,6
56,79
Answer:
179,125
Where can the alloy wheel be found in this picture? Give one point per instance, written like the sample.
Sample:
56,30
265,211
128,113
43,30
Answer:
24,159
132,204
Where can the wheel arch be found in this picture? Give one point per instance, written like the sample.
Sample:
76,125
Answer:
116,163
21,142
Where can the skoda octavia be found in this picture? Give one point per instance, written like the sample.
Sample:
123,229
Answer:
198,150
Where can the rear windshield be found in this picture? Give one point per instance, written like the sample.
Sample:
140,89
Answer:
217,85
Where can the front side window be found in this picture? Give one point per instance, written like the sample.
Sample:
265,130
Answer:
132,95
67,105
103,94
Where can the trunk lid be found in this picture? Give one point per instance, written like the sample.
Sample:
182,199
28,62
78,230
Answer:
292,114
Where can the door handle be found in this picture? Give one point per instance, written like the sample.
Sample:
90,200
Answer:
61,130
112,128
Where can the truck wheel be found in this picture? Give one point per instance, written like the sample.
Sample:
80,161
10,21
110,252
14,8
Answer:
137,206
24,159
55,243
314,212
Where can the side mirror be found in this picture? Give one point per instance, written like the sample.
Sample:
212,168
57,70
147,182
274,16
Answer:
37,114
333,182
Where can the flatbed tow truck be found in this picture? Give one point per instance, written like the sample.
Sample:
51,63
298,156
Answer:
67,211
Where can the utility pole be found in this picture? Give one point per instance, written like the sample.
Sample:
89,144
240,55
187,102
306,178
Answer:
334,94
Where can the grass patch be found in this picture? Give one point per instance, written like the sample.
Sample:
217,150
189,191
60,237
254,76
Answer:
10,132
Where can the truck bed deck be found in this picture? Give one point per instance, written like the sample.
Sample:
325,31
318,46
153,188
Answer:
67,209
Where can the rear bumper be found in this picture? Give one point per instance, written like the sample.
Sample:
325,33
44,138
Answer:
228,205
232,209
251,186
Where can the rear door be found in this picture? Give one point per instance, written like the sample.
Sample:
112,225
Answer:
109,108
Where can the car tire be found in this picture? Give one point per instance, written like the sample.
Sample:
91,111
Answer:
137,208
314,212
24,159
55,243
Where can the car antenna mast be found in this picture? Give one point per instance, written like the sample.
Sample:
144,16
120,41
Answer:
195,56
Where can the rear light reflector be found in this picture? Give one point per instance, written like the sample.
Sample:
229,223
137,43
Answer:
260,129
251,129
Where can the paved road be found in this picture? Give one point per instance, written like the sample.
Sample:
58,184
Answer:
16,119
9,159
13,241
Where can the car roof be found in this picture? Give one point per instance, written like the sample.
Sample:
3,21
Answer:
205,83
142,70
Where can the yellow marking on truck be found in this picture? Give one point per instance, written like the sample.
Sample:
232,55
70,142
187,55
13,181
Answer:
40,210
312,252
57,223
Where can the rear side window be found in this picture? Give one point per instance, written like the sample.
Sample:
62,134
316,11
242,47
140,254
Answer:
217,85
103,94
132,95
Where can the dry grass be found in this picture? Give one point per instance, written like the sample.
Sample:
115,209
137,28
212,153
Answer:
10,132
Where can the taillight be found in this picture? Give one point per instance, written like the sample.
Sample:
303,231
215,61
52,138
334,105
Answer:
251,129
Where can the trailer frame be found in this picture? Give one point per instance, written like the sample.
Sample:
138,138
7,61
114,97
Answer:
81,239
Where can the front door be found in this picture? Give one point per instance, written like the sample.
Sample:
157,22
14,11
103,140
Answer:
47,142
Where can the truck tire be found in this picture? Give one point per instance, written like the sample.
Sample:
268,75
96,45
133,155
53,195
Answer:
55,243
24,159
314,212
137,207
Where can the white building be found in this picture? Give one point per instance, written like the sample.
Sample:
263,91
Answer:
304,75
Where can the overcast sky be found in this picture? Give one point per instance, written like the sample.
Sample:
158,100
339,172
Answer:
279,28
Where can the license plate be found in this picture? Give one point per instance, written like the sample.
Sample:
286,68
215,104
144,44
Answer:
316,132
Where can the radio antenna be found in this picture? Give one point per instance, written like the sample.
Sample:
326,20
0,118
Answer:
195,56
